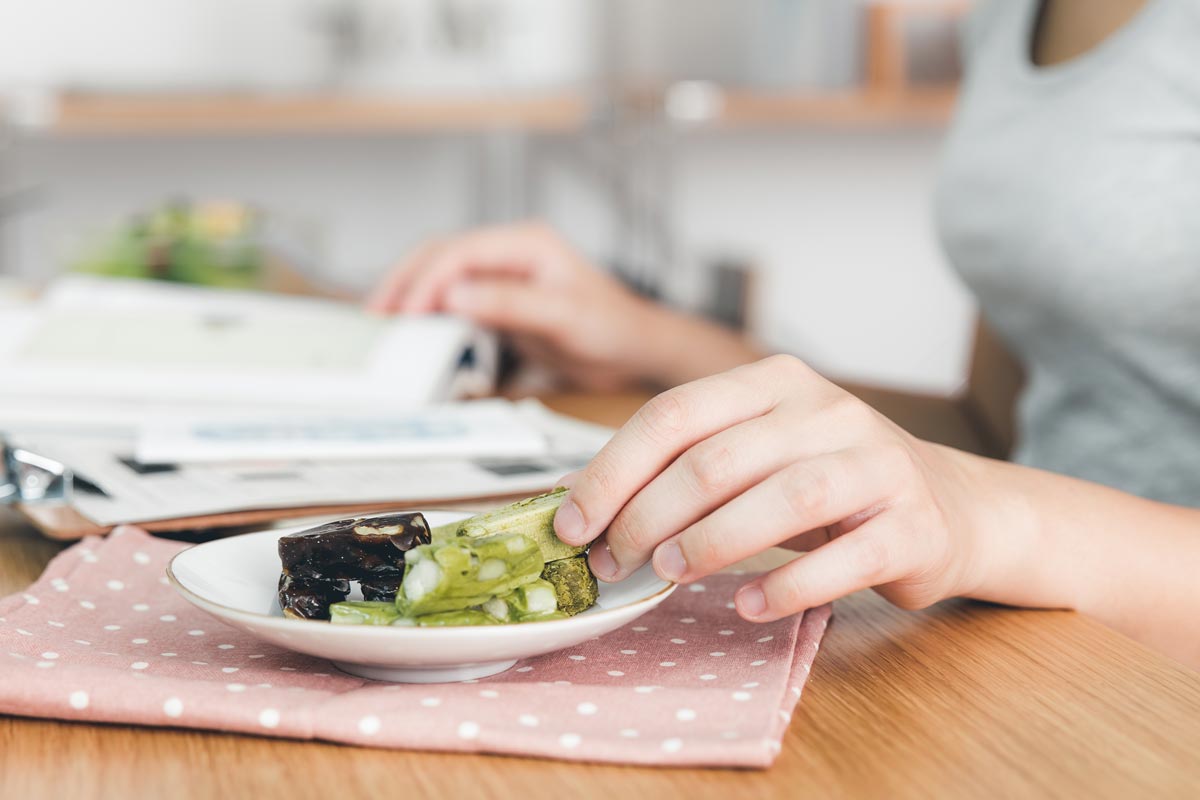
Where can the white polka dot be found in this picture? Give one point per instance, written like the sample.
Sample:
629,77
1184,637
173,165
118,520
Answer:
640,628
257,655
168,655
115,585
489,693
679,641
89,557
741,696
269,718
45,664
786,717
112,627
140,641
685,715
229,670
141,558
708,677
577,658
644,689
796,691
173,707
587,709
196,632
562,683
766,639
287,669
24,632
528,720
88,604
200,663
31,600
672,745
224,647
431,702
524,669
696,587
167,618
570,740
369,725
140,607
757,663
263,685
79,700
236,687
666,663
717,654
60,585
628,733
629,652
139,665
49,656
750,685
615,673
688,620
83,642
725,632
468,730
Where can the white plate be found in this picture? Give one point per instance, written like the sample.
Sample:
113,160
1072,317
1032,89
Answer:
235,580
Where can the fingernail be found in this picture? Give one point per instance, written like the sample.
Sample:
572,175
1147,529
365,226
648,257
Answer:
751,601
669,562
569,524
603,565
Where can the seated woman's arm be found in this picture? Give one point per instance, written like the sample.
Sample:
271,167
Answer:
771,453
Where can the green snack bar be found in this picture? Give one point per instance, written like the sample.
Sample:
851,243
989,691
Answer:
464,572
535,600
533,517
363,612
573,583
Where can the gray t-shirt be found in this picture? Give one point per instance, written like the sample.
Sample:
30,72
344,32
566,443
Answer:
1069,200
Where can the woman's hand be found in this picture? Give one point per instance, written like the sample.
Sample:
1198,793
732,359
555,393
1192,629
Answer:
559,310
770,454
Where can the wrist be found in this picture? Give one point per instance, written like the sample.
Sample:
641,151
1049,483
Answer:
667,347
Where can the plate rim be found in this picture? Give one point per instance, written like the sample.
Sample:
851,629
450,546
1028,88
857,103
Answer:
400,631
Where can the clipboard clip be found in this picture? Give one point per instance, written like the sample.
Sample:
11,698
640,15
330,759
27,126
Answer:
26,477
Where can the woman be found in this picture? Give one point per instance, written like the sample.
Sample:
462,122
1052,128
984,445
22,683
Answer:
1070,202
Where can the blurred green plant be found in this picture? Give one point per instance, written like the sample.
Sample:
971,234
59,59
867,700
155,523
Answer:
210,244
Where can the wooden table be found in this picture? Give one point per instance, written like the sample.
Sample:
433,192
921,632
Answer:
962,700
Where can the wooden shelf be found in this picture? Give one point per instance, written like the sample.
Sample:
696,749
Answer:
120,114
739,108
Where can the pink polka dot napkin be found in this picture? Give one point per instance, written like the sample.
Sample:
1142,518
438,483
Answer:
102,637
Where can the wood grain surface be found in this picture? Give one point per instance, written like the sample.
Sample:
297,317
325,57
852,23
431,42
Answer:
962,700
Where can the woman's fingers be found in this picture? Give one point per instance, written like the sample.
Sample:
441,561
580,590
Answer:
389,294
510,305
512,251
704,477
807,495
874,554
659,432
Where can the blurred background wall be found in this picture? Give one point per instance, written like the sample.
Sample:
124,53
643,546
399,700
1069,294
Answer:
665,137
